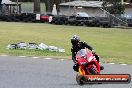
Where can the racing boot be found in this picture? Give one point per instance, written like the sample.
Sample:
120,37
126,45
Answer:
76,67
101,67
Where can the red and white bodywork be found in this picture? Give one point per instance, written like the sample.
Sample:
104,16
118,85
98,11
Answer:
87,63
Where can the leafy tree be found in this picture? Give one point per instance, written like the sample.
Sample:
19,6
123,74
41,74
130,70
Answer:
114,6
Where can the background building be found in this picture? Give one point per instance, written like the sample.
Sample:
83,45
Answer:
90,7
9,7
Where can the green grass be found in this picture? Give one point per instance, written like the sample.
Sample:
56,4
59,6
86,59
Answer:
112,44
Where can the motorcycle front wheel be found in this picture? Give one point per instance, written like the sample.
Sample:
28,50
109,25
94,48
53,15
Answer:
93,71
80,79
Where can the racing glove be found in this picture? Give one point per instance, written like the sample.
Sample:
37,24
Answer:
93,52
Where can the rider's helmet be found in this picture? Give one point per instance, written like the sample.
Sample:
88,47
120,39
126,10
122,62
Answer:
75,40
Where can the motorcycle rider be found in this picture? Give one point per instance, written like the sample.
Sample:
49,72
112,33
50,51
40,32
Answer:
78,45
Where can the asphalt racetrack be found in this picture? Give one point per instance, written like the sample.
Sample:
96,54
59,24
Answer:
28,72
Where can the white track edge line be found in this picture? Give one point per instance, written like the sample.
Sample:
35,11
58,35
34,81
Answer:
123,64
111,63
3,55
35,57
48,58
21,56
60,59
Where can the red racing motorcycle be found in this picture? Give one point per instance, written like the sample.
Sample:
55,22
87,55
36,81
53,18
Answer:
88,65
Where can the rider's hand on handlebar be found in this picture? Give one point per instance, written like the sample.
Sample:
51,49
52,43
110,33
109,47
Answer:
93,52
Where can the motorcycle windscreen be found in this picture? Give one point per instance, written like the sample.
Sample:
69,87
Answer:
82,53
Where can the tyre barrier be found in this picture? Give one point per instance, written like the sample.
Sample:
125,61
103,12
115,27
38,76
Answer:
62,20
